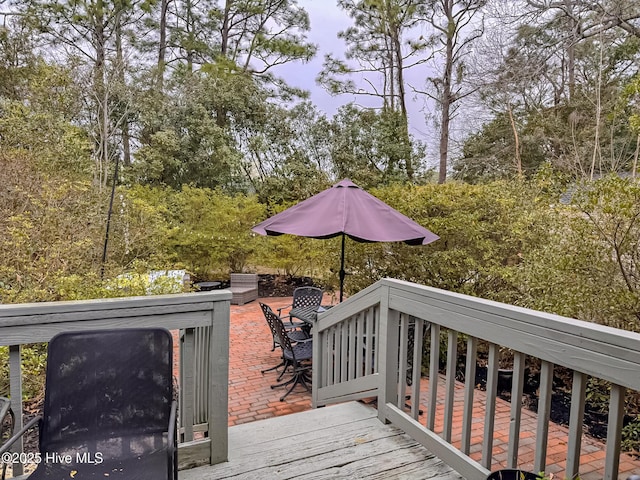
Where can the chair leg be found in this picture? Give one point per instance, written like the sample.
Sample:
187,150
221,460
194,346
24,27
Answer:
283,363
297,380
300,376
272,368
286,364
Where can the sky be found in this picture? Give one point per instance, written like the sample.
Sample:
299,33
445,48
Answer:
326,21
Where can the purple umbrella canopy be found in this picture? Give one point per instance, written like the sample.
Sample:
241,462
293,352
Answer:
346,209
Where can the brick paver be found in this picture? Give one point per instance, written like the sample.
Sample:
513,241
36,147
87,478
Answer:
251,398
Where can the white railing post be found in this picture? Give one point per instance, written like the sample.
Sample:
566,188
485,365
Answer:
387,346
614,432
219,382
320,357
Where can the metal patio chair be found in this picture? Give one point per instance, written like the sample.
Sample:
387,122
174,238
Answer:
108,409
297,355
7,423
294,335
302,297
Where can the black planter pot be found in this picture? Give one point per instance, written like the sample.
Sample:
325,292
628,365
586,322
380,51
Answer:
513,474
505,377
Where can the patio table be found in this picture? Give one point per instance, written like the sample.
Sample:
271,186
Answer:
207,286
308,314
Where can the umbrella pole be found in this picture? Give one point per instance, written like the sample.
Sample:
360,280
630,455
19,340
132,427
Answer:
342,273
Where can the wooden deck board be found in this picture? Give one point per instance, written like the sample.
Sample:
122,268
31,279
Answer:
340,441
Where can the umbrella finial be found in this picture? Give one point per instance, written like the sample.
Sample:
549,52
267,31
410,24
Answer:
346,183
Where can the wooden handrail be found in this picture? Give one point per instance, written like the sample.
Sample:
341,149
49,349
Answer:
202,319
586,348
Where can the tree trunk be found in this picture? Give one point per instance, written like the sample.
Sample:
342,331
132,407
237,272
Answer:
516,139
635,158
162,46
126,138
100,89
446,94
571,49
402,101
221,113
189,27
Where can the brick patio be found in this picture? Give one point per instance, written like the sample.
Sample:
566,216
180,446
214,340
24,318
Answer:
251,398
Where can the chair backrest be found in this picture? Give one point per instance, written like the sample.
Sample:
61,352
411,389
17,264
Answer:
268,315
106,384
307,297
244,280
277,329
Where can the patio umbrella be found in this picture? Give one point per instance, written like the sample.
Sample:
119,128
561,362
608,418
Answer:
347,210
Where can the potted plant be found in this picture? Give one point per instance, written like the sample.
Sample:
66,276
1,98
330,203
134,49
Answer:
514,474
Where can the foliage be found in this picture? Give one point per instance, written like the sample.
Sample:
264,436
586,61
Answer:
588,269
369,148
48,230
183,142
483,231
631,436
34,363
489,154
288,152
211,232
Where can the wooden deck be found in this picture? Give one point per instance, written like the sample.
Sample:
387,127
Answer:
339,441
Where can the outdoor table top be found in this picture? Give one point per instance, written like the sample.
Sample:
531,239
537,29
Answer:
205,286
307,314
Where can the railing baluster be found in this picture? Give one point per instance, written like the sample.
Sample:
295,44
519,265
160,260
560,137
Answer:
188,382
375,327
369,364
517,387
544,414
403,364
416,374
353,335
490,412
330,358
614,432
15,388
450,389
203,335
337,354
469,389
360,345
575,423
344,333
434,361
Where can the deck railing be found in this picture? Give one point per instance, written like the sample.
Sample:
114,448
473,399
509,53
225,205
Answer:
201,322
362,348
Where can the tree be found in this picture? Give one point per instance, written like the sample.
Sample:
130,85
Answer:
562,105
379,52
287,153
455,28
91,30
365,146
17,57
584,20
183,143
